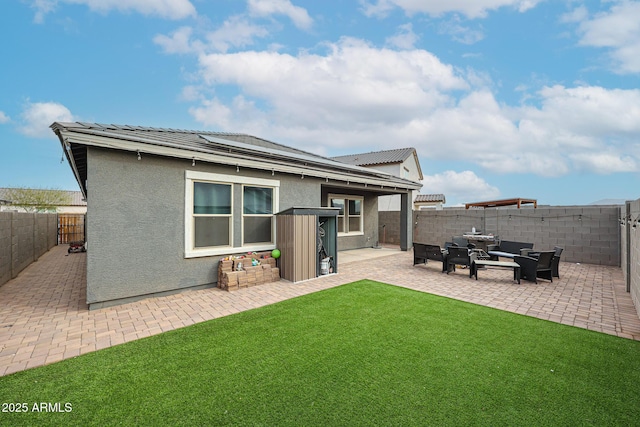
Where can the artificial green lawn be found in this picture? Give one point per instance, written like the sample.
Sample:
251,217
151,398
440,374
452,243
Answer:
359,354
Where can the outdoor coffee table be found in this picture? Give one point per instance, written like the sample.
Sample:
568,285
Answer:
502,264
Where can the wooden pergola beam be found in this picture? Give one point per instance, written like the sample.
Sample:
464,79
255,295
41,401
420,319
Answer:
504,202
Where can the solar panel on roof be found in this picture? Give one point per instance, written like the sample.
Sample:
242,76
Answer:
287,154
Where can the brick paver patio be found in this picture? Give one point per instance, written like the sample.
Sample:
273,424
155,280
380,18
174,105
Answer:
44,316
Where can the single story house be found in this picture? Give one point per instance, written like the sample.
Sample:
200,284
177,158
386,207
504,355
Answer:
163,205
400,162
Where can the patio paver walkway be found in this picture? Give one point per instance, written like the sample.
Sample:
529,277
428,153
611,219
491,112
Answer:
44,316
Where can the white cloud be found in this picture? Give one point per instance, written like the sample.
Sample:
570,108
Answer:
170,9
618,30
354,83
588,127
605,163
4,118
469,8
235,32
459,187
477,129
591,110
298,15
460,33
362,97
191,93
178,42
42,8
216,114
38,116
405,38
578,14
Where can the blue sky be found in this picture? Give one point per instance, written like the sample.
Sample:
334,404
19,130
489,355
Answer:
501,98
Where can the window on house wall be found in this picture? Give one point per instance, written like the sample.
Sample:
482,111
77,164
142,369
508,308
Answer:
350,218
257,215
211,214
212,219
354,214
339,203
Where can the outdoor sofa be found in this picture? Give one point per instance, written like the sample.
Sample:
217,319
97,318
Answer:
508,249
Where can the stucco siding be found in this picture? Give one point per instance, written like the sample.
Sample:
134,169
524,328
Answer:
370,211
393,203
136,223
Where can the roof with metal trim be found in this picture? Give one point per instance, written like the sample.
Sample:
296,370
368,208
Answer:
207,146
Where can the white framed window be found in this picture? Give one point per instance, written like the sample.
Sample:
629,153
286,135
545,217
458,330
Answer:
350,216
213,220
257,215
212,214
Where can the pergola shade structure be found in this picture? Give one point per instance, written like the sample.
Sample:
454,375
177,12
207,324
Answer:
504,202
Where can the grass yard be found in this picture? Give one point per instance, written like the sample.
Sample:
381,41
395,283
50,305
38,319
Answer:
359,354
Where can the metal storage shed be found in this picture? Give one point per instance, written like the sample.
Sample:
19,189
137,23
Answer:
301,235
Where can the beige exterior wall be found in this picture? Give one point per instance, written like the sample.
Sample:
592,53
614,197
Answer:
408,170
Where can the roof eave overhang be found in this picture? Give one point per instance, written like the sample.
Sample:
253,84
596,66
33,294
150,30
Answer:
415,157
66,148
137,145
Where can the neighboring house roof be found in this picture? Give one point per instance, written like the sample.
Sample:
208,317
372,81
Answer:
240,150
430,198
384,157
75,197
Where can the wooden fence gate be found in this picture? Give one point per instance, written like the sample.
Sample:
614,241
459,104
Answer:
70,227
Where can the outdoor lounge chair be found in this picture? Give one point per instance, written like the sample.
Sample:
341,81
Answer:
459,256
555,261
423,252
533,268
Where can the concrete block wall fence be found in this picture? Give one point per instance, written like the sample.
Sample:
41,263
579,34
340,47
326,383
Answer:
588,234
24,237
605,235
